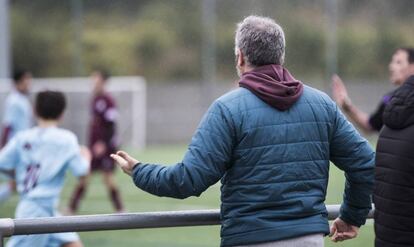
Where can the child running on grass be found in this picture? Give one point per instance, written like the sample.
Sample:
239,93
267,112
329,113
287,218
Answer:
40,158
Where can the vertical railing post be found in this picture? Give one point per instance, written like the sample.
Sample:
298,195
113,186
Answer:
6,229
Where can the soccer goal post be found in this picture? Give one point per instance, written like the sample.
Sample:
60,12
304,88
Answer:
128,92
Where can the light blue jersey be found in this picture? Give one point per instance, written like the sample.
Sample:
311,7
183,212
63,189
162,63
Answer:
40,158
18,113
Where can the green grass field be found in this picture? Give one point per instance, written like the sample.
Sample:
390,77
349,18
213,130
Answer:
96,202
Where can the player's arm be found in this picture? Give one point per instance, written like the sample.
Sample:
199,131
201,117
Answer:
79,163
106,138
111,116
360,118
9,157
11,119
340,95
5,134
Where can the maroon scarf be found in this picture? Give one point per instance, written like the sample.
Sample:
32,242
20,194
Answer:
274,85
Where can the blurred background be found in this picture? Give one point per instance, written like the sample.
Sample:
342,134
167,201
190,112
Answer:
183,51
164,40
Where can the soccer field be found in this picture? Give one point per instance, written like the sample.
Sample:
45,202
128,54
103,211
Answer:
96,202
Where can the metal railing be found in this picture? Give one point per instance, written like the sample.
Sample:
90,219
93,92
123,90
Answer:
10,227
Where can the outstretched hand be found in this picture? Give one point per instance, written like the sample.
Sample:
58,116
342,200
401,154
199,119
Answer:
86,153
340,231
339,92
124,161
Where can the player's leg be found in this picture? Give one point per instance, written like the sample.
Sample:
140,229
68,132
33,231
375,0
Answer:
113,190
29,208
28,240
78,195
64,239
73,244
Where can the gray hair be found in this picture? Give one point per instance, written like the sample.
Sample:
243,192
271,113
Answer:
261,40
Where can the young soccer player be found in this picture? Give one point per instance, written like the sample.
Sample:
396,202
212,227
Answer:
17,116
102,142
40,157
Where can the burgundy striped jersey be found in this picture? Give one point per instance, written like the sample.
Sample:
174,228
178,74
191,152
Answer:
103,122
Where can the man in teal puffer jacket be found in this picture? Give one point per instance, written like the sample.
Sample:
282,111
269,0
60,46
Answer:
270,142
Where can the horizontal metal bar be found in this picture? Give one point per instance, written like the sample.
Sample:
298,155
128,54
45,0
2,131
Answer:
10,227
116,221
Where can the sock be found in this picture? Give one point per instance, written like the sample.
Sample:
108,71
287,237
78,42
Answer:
116,200
76,197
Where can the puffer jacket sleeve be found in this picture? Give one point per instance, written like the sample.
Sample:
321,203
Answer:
353,154
204,163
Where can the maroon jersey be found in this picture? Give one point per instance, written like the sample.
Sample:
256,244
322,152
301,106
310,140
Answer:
103,128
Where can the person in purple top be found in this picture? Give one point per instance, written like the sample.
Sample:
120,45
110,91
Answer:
102,141
371,123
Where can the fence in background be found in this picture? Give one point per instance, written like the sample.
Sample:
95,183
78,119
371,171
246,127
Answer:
10,227
174,110
165,113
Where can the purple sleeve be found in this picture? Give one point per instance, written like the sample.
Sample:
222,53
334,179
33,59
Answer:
375,119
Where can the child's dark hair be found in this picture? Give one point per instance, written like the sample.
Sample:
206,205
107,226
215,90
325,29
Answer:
19,74
50,104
